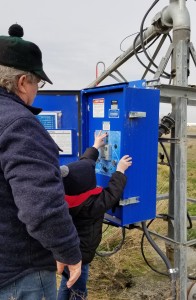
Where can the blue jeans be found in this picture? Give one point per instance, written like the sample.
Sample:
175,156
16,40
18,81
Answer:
40,285
78,291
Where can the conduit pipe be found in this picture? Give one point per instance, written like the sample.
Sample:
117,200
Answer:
176,15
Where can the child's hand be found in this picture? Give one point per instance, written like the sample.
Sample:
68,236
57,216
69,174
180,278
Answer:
124,163
99,139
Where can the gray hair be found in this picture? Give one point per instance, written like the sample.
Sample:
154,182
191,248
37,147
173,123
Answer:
9,77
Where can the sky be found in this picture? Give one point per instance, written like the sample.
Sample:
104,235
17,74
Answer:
75,35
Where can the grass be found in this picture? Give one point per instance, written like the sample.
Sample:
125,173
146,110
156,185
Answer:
129,261
191,235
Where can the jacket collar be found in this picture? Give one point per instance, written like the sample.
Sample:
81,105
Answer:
14,97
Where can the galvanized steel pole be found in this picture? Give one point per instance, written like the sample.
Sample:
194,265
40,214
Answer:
178,14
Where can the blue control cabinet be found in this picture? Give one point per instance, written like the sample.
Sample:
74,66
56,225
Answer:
129,112
61,117
130,115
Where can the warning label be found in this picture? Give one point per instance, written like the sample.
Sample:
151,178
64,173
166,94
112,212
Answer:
98,108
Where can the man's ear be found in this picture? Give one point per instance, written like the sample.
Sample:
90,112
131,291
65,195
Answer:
22,84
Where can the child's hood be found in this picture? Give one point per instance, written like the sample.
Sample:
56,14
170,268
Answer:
81,177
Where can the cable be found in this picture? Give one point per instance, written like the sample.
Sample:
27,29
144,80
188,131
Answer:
190,221
136,55
142,40
150,44
168,76
136,52
116,249
156,38
144,49
144,257
169,36
164,258
125,39
140,61
167,156
192,278
165,217
171,168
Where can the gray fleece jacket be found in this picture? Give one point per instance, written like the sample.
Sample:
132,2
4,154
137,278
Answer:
35,226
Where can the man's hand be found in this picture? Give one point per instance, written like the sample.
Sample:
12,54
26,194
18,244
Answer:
74,270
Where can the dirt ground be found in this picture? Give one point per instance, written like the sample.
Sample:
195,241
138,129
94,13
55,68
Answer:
126,287
122,284
142,288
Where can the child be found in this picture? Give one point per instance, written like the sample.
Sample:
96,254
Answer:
87,206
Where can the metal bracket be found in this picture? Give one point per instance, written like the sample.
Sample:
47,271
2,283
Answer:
128,201
137,114
173,271
169,140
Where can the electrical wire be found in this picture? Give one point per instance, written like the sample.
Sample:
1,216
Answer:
190,221
150,44
156,38
140,61
116,249
167,156
142,39
125,39
136,55
164,258
143,47
167,217
171,168
143,254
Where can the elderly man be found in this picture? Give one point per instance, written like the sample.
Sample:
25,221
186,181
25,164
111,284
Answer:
37,235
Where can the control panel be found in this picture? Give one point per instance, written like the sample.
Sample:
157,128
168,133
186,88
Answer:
130,115
109,154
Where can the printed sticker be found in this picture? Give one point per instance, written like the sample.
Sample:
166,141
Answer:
113,113
98,108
